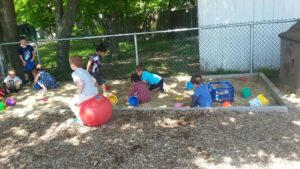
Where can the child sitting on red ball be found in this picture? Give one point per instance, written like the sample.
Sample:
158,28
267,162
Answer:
85,83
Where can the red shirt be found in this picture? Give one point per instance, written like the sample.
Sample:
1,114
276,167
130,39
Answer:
141,91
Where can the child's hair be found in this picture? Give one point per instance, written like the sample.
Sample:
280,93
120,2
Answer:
11,72
135,78
197,79
76,60
22,38
140,68
39,67
101,48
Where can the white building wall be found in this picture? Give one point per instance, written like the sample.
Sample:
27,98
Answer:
229,48
238,11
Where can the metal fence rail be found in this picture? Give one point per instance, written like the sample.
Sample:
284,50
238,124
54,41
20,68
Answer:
245,47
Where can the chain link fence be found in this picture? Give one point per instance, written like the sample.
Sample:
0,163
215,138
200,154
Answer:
266,45
170,53
242,47
209,49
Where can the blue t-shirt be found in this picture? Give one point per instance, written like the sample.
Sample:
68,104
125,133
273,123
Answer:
203,95
150,78
26,53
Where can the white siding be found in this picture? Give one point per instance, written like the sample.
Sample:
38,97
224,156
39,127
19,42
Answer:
237,11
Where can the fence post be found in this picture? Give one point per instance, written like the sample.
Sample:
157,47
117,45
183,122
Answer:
37,51
136,49
251,46
1,62
199,46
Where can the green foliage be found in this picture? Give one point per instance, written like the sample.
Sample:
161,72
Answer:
94,16
38,13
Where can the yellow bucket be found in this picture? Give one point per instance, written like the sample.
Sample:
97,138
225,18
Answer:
113,99
263,100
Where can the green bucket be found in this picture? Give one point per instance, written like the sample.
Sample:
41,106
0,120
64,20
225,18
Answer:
2,106
246,92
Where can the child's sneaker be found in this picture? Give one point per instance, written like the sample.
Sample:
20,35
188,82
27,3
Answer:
74,121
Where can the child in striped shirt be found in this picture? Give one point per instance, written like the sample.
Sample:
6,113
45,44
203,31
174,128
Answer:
139,89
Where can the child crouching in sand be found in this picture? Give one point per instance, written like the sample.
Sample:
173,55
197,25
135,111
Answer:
201,97
44,80
153,80
85,83
139,89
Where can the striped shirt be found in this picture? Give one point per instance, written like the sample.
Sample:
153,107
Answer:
140,90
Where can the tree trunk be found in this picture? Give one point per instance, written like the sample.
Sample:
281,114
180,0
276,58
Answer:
10,34
65,19
114,41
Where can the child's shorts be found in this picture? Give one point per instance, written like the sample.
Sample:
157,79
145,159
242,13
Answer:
78,99
159,85
99,78
29,67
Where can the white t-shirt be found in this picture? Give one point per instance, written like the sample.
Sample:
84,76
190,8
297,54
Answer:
89,87
16,79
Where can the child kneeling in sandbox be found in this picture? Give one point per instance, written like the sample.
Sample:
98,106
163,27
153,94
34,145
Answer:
139,89
86,86
201,97
156,82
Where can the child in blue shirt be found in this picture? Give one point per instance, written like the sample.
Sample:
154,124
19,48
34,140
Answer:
153,80
201,97
26,55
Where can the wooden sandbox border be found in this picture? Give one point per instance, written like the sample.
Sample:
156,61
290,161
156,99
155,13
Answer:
282,107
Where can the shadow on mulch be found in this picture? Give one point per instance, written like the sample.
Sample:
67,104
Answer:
149,140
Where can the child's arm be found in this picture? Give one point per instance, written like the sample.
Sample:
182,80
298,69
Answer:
94,80
33,54
80,85
23,61
5,80
132,91
36,79
89,64
18,80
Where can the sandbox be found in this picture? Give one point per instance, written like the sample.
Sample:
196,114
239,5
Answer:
175,88
28,99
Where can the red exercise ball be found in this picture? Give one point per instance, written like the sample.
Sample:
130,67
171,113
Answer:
96,111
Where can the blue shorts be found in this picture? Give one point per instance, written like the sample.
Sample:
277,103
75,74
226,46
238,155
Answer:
29,67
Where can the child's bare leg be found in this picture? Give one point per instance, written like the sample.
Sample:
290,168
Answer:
43,87
26,76
74,106
34,73
103,88
18,86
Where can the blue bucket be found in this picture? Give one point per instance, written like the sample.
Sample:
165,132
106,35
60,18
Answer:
37,86
189,86
133,101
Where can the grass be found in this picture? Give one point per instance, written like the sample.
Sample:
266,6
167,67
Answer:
163,57
272,74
